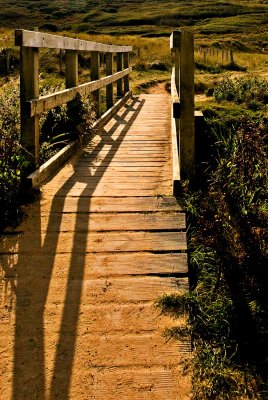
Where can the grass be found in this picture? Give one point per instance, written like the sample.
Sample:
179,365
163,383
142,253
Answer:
228,217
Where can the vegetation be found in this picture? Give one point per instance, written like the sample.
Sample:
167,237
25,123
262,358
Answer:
56,128
228,218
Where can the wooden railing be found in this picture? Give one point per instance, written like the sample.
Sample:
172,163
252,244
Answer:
32,104
183,116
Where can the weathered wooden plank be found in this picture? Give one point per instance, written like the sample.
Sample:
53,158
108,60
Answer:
105,191
107,264
112,204
97,222
100,242
45,40
108,290
45,103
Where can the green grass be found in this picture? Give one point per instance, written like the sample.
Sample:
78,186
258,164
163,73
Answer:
227,209
144,18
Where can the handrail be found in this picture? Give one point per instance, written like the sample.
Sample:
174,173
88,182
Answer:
46,40
45,103
32,104
182,95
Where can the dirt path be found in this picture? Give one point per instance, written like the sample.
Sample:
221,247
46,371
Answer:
80,275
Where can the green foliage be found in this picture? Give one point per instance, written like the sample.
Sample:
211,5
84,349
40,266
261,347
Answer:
252,91
12,161
227,304
57,127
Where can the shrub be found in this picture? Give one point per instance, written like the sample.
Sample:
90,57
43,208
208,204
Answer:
242,90
11,158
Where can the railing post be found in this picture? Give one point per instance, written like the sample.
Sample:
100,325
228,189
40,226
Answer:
109,88
183,46
119,83
126,78
95,75
71,80
71,69
187,122
29,89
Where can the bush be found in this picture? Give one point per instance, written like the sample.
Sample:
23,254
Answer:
11,158
57,127
242,90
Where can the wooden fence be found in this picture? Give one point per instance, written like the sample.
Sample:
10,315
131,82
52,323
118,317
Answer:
32,104
183,115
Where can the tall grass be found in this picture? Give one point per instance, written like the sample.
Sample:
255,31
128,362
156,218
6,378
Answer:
227,303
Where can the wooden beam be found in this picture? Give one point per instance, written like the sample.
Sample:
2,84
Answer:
187,121
126,78
71,80
45,40
119,68
71,68
29,89
109,87
95,75
45,103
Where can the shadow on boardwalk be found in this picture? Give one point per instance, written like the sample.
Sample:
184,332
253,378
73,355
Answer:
32,277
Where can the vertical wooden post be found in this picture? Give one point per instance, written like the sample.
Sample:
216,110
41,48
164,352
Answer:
187,125
126,78
71,80
71,68
29,89
95,75
109,88
119,83
60,59
231,56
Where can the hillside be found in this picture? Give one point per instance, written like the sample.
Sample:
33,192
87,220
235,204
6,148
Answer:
148,18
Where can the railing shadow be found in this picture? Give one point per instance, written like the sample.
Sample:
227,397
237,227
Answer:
33,368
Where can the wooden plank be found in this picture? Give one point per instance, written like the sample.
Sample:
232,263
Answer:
90,242
98,264
45,103
97,222
45,40
29,89
109,290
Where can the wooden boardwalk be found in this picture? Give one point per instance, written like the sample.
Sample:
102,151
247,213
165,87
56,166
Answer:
81,275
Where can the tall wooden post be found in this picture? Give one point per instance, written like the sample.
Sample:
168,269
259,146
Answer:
119,68
126,78
187,125
95,75
109,88
182,44
29,89
71,80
